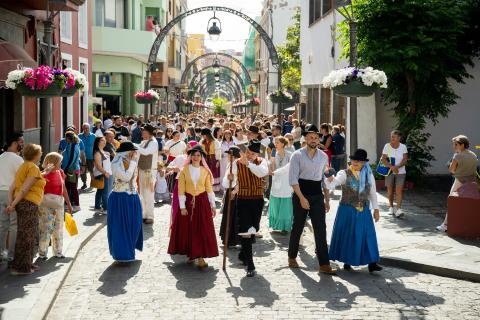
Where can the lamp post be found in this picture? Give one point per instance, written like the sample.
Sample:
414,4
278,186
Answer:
214,30
346,10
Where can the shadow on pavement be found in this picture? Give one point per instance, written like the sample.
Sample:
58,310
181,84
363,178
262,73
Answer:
14,287
115,278
95,219
257,288
190,279
148,231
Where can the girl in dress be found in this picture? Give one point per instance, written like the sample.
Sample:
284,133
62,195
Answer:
161,187
124,220
193,232
227,143
213,151
354,241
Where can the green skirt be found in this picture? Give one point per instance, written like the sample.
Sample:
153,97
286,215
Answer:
280,213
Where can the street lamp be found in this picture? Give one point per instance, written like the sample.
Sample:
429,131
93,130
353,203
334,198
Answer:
217,77
214,30
216,65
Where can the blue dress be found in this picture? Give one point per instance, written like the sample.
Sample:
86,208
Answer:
124,220
354,240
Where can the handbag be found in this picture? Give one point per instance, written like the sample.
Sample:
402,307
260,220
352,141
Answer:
98,182
70,224
52,201
381,168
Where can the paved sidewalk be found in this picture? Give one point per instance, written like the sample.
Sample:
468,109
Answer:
29,297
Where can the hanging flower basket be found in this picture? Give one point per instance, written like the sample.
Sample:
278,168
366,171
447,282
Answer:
148,97
51,91
280,96
354,82
69,92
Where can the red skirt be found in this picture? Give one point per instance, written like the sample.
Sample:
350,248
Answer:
212,165
193,235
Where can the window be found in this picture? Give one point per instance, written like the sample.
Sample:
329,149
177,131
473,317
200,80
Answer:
83,95
66,27
110,13
83,25
312,105
318,8
325,106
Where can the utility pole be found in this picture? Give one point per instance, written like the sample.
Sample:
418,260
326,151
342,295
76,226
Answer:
353,100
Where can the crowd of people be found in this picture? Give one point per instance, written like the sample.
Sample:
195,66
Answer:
187,160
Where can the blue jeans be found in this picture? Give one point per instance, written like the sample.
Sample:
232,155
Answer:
337,162
110,185
101,196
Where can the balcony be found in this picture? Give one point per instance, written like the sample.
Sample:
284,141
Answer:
135,44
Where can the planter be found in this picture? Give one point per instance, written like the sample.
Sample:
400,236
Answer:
354,88
52,91
380,184
280,100
143,100
409,185
69,92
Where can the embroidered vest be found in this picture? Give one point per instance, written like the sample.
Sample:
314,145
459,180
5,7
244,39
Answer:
249,185
350,194
120,185
145,161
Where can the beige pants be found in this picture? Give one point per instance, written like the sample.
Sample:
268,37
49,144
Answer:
456,185
147,193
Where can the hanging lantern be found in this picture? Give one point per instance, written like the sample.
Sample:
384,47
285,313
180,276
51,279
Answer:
213,29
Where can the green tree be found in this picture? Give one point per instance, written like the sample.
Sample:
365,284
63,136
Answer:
219,104
289,56
422,46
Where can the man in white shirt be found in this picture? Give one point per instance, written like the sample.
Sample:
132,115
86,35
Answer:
10,161
395,157
147,171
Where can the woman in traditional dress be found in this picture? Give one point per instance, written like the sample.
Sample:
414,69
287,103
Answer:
124,220
280,209
354,241
213,151
227,143
193,232
230,199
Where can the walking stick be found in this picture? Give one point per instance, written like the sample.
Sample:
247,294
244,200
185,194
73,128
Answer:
229,209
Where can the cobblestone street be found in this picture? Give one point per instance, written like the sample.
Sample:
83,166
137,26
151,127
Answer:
158,286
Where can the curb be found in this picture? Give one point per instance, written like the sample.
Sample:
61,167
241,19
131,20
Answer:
44,304
429,269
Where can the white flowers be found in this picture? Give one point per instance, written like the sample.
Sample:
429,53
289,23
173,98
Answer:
369,76
15,77
80,79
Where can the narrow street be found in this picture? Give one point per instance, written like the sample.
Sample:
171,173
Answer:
159,286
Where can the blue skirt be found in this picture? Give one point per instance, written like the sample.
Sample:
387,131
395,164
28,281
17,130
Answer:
280,213
124,225
354,240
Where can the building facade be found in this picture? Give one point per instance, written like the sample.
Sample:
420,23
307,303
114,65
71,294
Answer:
122,36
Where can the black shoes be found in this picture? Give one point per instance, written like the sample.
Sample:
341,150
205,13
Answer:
374,267
251,273
347,267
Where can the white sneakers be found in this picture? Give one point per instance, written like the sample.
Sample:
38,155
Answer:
250,231
398,213
442,227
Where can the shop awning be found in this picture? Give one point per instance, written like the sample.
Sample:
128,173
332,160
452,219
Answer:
12,56
55,5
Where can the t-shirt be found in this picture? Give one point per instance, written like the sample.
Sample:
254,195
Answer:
88,142
30,169
55,181
121,131
467,165
397,154
9,162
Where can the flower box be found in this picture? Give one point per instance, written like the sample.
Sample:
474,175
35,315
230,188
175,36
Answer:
145,100
380,184
69,92
280,96
53,90
354,88
147,97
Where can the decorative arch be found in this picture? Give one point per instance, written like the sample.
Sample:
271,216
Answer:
223,76
240,80
229,85
152,57
221,54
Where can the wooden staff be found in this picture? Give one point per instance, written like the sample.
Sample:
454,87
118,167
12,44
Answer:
229,209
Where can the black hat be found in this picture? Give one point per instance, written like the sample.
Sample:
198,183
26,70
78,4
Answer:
253,129
195,149
310,129
206,132
211,121
234,151
254,146
126,146
149,128
359,155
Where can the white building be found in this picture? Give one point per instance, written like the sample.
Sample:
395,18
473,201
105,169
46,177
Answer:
276,18
320,53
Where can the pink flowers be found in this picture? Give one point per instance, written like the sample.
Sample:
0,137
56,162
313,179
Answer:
147,95
39,78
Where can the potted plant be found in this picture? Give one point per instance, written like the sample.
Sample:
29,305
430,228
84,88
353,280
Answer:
355,82
74,80
280,96
379,179
146,97
41,82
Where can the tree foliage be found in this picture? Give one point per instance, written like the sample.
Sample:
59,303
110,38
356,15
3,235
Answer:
422,46
289,56
219,104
